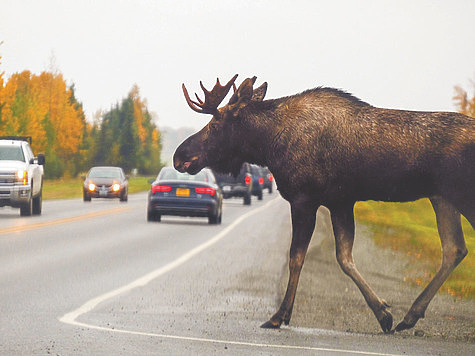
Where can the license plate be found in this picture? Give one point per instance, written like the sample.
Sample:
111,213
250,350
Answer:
180,192
103,193
226,188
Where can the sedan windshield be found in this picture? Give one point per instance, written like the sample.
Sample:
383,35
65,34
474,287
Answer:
172,174
11,153
104,173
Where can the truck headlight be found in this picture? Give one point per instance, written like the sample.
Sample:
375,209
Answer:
22,176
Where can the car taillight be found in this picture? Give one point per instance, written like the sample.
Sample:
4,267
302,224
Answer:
160,188
271,177
247,180
209,191
261,181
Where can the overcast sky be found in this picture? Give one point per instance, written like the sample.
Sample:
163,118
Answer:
397,54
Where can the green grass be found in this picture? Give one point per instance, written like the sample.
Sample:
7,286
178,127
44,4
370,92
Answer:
411,228
66,188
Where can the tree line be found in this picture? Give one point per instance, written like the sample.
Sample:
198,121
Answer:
44,107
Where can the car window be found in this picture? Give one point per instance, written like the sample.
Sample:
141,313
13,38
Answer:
104,173
11,153
171,174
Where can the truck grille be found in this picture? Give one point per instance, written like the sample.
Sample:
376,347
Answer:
7,179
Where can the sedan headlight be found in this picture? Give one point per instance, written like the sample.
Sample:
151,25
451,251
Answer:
91,187
116,187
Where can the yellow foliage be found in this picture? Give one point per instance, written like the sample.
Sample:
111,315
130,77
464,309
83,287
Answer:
32,104
464,105
140,107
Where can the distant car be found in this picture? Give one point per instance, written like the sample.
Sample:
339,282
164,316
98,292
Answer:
237,186
257,181
182,194
105,182
268,179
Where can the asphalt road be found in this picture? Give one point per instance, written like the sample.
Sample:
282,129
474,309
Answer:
98,279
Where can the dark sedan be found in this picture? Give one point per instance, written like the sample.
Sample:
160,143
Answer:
182,194
105,182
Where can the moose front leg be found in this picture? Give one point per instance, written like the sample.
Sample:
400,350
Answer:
303,224
344,230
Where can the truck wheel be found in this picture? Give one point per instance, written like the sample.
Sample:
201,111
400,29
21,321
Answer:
27,208
37,203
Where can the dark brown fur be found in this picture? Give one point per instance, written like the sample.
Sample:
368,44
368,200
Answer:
326,147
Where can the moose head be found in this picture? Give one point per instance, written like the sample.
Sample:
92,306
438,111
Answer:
219,140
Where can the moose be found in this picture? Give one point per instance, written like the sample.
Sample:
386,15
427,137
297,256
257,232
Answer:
327,147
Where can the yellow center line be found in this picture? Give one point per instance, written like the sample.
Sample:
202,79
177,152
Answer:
63,221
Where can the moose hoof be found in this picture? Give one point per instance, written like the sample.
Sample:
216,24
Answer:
386,322
270,325
403,326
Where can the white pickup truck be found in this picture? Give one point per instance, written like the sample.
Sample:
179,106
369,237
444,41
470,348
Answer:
21,175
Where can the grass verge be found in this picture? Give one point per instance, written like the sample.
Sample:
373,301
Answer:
66,188
411,228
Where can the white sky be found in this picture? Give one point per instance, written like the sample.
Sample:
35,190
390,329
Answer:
397,54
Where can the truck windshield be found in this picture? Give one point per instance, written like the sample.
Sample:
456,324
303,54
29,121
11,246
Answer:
11,153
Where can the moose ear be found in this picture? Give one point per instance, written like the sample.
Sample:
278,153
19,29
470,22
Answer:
260,93
241,97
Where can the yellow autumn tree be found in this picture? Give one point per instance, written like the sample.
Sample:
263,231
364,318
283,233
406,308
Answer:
43,107
22,110
140,109
463,102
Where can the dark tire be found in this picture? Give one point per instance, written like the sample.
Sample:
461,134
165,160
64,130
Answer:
213,219
37,203
259,195
153,216
247,199
86,197
27,208
270,190
124,197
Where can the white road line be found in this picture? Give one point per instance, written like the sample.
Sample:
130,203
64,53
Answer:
70,318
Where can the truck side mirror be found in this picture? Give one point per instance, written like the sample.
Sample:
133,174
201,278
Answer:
41,159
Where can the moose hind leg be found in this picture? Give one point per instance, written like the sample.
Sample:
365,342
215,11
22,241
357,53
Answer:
344,230
453,252
303,224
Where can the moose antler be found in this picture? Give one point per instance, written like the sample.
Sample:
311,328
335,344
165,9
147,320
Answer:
212,98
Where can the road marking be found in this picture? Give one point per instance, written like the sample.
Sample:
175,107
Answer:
70,318
62,221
